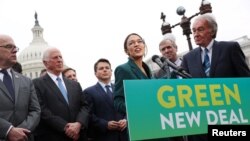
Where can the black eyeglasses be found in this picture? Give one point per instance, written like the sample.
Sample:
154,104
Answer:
10,47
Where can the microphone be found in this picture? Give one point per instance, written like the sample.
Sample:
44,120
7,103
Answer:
157,60
164,67
175,67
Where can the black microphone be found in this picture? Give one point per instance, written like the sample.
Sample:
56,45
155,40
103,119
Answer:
164,67
175,67
157,60
172,65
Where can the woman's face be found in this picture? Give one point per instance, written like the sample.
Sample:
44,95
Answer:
135,47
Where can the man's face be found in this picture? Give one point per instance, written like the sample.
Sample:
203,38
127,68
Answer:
70,74
103,71
202,33
54,63
168,50
8,51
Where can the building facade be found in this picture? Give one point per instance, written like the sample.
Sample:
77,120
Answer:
31,57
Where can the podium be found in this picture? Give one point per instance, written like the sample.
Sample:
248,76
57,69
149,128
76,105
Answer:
175,107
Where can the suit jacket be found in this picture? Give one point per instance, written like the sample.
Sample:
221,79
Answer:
228,60
102,110
55,112
25,111
127,71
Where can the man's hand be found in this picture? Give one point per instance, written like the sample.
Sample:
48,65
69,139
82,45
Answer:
122,124
72,130
18,134
113,125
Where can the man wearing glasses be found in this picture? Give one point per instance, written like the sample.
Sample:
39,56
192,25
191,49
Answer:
19,110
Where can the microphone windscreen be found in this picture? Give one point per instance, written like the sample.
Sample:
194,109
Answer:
163,59
155,57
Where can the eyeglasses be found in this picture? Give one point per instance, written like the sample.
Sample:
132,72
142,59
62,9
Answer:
10,47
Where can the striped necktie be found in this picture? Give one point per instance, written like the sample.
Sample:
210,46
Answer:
206,62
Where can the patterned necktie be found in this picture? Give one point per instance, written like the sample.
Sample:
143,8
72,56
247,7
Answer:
62,89
206,63
109,93
8,83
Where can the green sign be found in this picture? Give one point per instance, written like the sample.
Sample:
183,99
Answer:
174,107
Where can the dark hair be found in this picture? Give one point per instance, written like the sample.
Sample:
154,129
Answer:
126,40
43,71
101,60
67,69
17,67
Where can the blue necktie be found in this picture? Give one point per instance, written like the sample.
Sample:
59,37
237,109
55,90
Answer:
8,83
109,93
62,89
206,63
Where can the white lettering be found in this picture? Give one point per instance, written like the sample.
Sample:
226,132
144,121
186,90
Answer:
223,116
180,120
242,117
211,114
169,121
215,131
193,117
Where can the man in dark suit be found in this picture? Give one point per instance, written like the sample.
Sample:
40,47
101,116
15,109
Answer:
106,123
212,58
19,110
64,109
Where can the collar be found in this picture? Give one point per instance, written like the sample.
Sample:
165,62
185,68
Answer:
53,76
209,46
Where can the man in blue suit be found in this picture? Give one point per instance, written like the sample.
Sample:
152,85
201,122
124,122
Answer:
106,124
212,58
19,109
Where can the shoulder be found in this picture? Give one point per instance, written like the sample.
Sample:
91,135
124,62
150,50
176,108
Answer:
89,89
192,52
71,82
122,68
227,46
21,76
226,43
40,79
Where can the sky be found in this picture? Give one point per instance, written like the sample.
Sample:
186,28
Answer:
86,30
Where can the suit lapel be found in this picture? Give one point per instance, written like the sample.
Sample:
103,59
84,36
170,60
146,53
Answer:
199,61
5,91
215,55
136,70
67,85
103,94
17,82
54,88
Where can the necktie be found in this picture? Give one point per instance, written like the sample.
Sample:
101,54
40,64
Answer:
109,93
8,83
62,89
206,63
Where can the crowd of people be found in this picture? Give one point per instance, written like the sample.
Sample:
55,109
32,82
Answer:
54,107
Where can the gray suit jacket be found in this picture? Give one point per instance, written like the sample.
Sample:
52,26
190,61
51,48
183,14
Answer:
25,112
